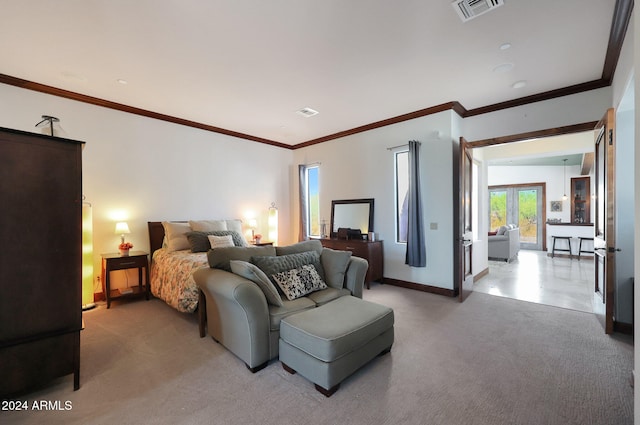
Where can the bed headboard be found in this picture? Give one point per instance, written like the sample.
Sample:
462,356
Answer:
156,235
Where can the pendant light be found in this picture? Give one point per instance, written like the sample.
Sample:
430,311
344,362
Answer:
564,180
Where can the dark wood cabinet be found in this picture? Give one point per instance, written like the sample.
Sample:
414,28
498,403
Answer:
369,250
41,260
580,200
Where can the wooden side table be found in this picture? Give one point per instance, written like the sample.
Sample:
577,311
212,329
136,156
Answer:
115,261
265,243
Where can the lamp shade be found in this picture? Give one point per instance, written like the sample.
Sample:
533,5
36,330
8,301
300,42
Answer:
122,228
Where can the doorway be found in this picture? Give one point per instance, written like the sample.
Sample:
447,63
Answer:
532,173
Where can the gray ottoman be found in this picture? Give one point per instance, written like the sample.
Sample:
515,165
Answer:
328,343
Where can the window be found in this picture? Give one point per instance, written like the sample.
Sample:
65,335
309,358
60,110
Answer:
313,201
402,192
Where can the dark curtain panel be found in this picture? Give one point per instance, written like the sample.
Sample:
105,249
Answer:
302,173
416,249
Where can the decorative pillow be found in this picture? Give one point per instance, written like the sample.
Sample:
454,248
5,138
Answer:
220,258
274,265
220,241
207,225
304,246
199,241
175,235
254,274
334,264
299,282
235,225
502,230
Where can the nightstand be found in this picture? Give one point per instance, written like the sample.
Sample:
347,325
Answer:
135,260
262,243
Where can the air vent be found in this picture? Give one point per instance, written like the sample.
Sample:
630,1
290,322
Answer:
307,112
469,9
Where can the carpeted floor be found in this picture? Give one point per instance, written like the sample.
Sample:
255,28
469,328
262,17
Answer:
490,360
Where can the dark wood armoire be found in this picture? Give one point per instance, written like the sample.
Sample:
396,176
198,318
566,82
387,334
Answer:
40,259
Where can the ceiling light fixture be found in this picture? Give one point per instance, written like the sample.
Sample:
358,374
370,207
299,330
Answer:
519,84
505,46
564,180
121,81
503,67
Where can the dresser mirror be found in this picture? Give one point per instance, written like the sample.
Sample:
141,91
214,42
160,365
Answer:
352,214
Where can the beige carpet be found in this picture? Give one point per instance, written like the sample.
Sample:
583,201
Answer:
490,360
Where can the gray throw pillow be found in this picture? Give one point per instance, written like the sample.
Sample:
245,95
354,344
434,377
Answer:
296,248
254,274
335,265
220,258
274,265
299,282
199,241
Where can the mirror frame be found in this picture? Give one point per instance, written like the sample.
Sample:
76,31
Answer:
368,201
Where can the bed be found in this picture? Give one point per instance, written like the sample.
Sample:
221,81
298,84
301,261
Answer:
171,271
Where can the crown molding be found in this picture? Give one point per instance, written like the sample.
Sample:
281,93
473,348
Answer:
30,85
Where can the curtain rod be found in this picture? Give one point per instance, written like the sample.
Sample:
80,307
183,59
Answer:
401,146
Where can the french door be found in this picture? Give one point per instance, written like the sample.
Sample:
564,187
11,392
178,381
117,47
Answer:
604,240
523,205
463,251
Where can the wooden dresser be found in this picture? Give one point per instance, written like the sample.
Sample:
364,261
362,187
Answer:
41,261
369,250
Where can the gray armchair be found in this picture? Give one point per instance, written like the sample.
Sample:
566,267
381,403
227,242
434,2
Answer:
505,245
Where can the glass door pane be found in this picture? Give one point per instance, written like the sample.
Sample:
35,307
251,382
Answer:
528,216
498,209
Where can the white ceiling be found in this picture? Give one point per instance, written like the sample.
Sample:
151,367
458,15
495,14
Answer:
248,66
543,151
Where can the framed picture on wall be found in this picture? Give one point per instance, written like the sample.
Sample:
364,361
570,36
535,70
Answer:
556,206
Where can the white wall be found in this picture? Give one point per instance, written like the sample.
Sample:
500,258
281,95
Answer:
361,166
622,94
635,34
140,169
568,110
623,101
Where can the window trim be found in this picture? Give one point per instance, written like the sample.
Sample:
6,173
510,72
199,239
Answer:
397,206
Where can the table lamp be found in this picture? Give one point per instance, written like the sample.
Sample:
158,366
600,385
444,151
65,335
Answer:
121,229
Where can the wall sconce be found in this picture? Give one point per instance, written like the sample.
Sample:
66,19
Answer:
273,223
122,228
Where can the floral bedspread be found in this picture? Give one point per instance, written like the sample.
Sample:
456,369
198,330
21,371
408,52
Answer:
172,277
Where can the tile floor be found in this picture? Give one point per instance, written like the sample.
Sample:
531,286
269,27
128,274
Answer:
535,277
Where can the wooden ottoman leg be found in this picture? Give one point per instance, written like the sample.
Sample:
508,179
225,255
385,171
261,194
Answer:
288,369
329,392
